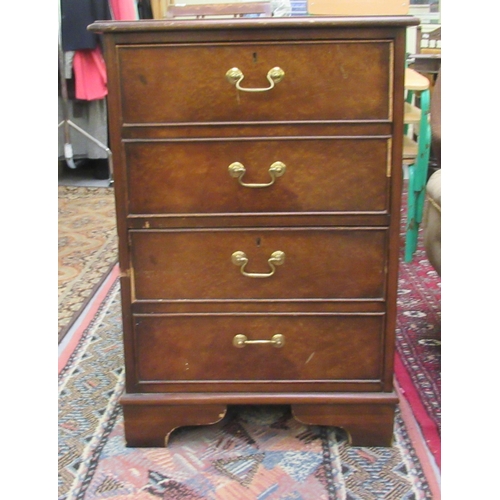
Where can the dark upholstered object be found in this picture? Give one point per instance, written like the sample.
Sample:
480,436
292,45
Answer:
432,221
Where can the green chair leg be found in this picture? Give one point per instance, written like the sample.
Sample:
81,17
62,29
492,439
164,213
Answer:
411,223
422,162
419,206
418,179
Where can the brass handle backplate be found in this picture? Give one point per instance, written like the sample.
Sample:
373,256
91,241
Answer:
235,77
240,259
277,340
238,170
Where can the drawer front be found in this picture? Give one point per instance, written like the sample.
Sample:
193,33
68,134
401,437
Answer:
320,175
318,263
189,348
341,80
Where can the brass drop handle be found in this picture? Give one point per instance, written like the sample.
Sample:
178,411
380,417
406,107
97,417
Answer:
240,259
235,77
238,170
277,340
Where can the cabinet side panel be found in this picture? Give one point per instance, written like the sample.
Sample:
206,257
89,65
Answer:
396,186
121,197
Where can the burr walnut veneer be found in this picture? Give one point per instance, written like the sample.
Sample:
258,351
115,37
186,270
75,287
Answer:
258,182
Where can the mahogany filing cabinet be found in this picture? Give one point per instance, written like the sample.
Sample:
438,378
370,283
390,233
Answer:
258,184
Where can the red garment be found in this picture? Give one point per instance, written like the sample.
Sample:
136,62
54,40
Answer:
123,10
90,74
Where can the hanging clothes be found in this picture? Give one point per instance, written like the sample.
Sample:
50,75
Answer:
92,117
75,17
88,63
90,74
144,9
124,10
85,77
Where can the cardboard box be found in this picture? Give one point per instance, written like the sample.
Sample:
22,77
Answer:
358,7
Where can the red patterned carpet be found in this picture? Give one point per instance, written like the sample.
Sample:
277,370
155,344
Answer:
418,342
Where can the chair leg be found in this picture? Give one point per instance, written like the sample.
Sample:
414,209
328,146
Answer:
409,99
424,148
417,179
419,206
411,223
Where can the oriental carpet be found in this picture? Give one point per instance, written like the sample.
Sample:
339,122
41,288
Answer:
87,247
418,340
253,453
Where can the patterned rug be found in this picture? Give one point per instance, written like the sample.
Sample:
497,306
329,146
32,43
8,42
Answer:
87,247
418,341
253,453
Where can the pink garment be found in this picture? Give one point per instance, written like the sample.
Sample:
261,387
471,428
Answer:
123,10
90,74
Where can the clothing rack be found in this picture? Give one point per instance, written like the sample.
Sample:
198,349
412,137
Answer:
67,124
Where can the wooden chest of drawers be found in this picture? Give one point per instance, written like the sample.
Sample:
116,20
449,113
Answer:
258,183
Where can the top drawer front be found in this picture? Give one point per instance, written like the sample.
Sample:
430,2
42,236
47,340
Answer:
341,80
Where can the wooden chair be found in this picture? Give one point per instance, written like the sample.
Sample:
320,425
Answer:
220,9
416,153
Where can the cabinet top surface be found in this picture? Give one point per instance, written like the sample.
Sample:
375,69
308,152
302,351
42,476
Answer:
310,22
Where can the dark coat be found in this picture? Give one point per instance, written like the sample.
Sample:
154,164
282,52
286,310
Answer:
76,15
